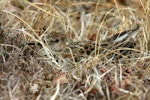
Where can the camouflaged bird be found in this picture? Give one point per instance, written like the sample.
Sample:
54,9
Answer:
111,47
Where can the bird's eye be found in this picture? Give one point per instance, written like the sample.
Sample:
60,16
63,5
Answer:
57,40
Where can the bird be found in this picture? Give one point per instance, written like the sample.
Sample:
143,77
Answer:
112,46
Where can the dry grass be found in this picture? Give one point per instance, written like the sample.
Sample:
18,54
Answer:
26,74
